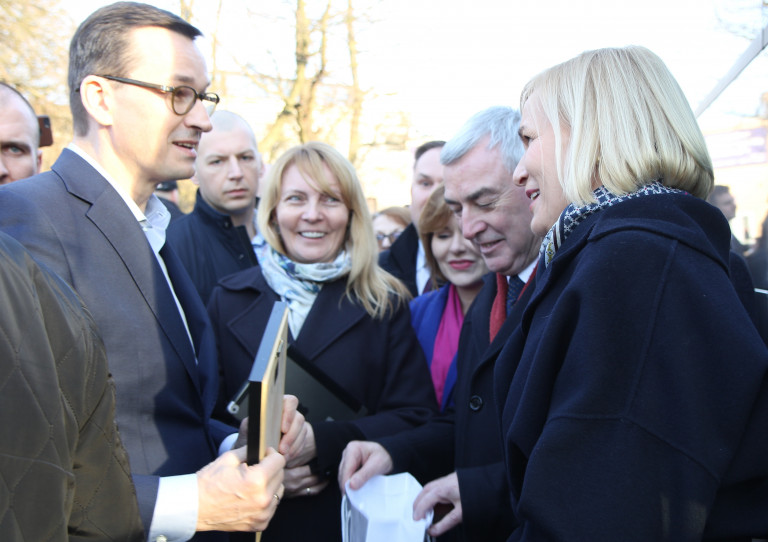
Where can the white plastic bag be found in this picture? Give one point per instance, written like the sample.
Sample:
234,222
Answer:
382,511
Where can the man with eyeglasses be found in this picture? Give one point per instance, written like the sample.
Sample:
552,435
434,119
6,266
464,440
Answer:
139,104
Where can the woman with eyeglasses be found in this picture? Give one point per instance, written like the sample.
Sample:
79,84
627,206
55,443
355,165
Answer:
388,224
347,318
633,396
457,273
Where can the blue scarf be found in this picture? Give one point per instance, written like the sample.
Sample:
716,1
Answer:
298,283
572,216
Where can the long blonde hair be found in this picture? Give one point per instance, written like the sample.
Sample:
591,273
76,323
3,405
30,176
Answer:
368,284
629,122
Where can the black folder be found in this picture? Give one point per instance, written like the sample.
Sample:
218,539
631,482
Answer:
320,397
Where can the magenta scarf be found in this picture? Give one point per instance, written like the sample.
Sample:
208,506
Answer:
446,341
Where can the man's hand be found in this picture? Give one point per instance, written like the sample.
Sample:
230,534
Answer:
444,491
361,461
234,496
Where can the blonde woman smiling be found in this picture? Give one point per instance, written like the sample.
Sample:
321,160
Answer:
347,317
633,396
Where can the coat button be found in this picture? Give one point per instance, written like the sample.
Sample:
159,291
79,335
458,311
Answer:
476,403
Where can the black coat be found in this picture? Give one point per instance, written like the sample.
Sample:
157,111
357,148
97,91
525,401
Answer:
633,396
400,258
379,362
209,246
466,438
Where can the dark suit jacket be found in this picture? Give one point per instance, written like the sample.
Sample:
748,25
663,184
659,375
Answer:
467,438
379,362
400,259
71,219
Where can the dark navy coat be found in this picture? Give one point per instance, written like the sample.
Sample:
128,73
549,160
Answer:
378,362
466,438
633,397
400,258
210,246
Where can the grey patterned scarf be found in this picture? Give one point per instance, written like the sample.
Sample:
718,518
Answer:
572,216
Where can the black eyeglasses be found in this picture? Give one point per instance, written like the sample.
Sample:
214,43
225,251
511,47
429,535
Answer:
183,97
391,236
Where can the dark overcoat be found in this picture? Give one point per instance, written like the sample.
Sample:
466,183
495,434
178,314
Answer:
466,438
210,246
377,361
633,396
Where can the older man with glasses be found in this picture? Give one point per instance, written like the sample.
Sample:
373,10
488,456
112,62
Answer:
139,104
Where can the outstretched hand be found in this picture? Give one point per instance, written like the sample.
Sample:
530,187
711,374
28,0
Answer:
361,461
443,491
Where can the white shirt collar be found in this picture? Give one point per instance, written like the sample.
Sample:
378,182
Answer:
154,221
422,269
525,274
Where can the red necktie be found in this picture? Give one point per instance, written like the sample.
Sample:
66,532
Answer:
499,307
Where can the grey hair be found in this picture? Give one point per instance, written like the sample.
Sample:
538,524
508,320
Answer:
500,123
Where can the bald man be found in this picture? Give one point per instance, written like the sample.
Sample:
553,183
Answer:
214,240
20,154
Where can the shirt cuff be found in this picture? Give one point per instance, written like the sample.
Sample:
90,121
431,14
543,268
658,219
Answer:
227,443
175,516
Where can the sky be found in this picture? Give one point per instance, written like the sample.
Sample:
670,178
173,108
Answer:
440,61
443,60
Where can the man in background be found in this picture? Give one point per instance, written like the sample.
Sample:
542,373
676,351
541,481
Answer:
406,259
214,240
20,153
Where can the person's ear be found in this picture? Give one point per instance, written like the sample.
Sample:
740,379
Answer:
39,160
98,99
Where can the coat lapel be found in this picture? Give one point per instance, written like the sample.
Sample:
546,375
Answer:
506,329
318,332
242,325
109,213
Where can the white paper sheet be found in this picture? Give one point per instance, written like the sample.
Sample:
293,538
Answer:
382,511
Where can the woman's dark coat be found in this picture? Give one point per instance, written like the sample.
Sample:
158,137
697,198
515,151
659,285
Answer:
379,362
633,397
